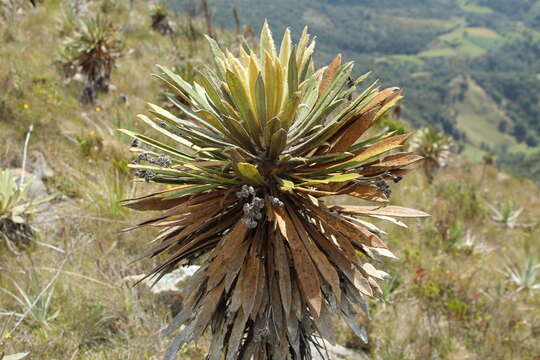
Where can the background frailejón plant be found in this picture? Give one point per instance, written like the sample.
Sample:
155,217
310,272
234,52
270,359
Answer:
16,209
93,49
263,137
434,146
160,19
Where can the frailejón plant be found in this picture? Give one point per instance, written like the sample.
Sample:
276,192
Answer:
263,139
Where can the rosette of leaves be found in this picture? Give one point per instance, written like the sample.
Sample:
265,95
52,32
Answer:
160,20
434,146
187,71
94,48
16,210
263,139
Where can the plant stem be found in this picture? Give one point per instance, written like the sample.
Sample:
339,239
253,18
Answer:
25,153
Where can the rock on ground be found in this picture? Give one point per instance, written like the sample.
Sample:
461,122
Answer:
337,352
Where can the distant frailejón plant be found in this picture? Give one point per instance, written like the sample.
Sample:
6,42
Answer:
16,210
160,20
93,48
264,137
434,147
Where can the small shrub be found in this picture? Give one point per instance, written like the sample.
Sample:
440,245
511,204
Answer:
16,209
34,303
524,276
90,143
507,214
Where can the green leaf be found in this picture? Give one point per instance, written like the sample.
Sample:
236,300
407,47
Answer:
158,145
270,129
285,49
260,101
219,56
251,173
290,110
285,185
189,191
321,159
380,147
332,179
240,98
278,143
179,139
267,41
292,75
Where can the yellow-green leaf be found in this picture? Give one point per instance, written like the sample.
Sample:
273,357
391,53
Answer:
331,179
251,173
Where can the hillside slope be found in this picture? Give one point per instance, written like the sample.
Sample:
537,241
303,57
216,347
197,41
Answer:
450,296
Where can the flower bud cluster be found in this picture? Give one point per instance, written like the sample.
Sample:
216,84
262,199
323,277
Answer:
253,209
161,160
384,187
276,201
147,175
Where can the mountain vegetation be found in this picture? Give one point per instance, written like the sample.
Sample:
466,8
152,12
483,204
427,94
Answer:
464,283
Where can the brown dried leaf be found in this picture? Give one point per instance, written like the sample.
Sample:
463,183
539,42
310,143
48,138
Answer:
329,73
281,261
250,285
235,264
207,309
324,266
392,162
333,252
229,246
305,269
369,193
237,333
325,325
382,98
381,147
389,210
351,133
155,200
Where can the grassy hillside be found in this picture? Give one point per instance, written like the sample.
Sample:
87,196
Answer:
65,294
494,42
479,117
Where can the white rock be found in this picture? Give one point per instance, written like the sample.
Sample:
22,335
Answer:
38,165
169,283
37,189
337,352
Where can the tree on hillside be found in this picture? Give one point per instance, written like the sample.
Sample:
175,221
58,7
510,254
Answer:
520,132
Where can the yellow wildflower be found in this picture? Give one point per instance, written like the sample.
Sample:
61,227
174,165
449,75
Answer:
98,108
7,336
26,106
